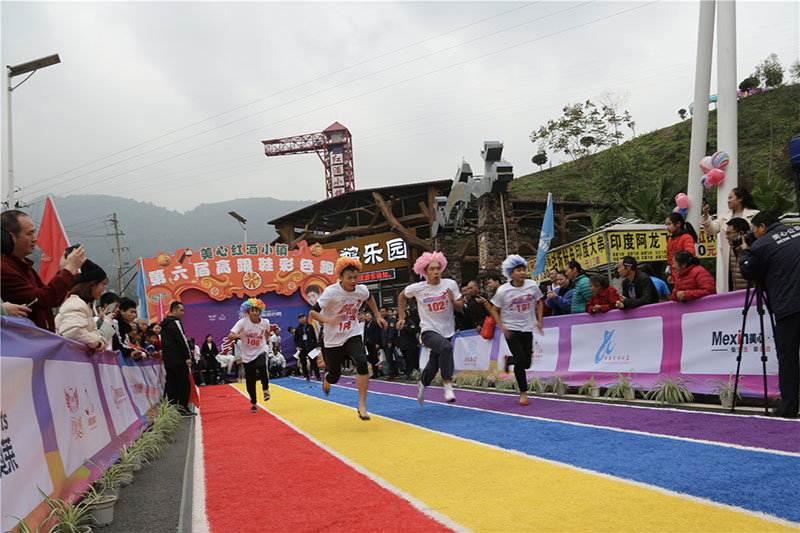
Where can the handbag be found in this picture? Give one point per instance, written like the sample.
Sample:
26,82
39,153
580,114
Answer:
487,330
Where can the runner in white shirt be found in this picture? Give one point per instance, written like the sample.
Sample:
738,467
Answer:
437,300
519,303
254,334
337,308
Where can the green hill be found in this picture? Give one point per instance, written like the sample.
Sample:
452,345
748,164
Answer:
639,164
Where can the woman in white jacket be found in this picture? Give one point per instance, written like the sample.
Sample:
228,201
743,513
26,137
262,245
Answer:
75,319
740,205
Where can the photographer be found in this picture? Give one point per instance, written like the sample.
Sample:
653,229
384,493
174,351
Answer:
734,233
773,258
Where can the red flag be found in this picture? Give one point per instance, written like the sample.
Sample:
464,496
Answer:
52,240
193,396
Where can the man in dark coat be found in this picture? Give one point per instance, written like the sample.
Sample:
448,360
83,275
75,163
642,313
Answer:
20,284
774,260
637,287
305,339
388,342
177,358
372,341
408,341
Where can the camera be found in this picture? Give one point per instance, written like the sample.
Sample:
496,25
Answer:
70,250
748,237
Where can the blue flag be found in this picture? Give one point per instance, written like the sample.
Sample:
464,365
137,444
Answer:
141,283
545,237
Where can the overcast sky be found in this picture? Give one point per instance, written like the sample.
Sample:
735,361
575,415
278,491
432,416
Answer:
168,102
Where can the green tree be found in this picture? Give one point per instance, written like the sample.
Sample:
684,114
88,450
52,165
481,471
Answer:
794,70
650,204
539,159
774,194
770,71
749,83
582,130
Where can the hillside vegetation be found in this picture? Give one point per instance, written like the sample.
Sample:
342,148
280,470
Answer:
660,159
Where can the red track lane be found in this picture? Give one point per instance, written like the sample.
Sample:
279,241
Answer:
261,475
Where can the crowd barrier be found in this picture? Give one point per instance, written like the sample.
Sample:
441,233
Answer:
696,340
60,407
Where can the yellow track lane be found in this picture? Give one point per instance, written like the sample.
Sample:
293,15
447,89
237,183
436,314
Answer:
486,489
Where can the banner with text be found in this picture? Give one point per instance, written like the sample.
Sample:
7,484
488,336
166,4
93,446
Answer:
60,408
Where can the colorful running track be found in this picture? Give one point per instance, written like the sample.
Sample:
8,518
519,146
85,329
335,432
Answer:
306,462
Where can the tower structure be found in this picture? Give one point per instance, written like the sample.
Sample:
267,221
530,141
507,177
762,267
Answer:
333,145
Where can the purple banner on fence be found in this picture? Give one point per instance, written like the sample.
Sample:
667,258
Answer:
61,406
697,341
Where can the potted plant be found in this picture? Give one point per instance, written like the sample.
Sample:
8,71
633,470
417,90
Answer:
724,389
69,517
669,390
508,384
622,388
101,505
589,389
112,478
556,385
536,385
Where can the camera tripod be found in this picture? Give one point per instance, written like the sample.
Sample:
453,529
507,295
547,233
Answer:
762,303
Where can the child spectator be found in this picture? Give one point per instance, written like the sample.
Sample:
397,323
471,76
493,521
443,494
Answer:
604,297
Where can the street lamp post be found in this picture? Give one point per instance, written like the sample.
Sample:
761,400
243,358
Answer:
242,222
13,71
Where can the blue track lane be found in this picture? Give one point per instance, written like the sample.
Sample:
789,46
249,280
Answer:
758,481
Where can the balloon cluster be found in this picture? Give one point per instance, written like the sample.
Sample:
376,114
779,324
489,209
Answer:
713,167
682,204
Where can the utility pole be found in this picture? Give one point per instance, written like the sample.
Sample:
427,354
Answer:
117,250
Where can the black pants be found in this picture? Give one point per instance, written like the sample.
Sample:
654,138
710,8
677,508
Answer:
251,371
352,348
411,357
391,360
305,360
372,357
521,345
787,342
177,385
441,357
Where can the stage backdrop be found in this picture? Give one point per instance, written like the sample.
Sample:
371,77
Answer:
696,340
213,281
61,407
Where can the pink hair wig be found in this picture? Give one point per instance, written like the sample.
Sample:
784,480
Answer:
425,259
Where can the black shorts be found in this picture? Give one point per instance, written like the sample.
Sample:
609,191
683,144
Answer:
353,349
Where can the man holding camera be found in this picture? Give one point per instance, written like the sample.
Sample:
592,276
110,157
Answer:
772,256
735,230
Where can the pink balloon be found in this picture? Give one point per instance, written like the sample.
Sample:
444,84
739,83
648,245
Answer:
682,201
716,176
705,164
706,182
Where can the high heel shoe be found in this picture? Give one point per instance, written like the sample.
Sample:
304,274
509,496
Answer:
362,417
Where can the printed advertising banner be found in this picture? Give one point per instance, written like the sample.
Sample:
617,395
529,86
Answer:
696,340
60,407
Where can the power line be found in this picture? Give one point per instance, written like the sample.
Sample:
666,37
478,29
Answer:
354,65
394,84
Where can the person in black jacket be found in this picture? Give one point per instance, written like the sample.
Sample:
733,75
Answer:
774,260
209,353
637,287
305,339
372,341
408,341
388,341
177,358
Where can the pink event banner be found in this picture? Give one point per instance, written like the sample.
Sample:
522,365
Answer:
60,408
697,340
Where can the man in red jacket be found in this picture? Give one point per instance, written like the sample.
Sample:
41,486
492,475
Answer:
21,284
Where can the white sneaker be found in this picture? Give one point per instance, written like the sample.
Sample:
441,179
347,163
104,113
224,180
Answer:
266,395
448,393
421,393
